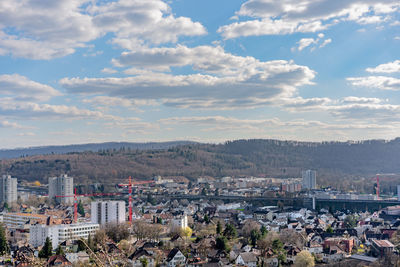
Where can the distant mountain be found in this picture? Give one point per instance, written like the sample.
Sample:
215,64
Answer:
47,150
344,165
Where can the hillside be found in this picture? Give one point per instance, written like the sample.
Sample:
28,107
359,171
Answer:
45,150
341,164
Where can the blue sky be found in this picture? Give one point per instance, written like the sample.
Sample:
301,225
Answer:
79,71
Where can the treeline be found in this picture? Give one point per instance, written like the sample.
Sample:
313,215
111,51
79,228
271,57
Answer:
341,164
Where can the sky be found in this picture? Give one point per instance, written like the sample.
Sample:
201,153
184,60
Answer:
85,71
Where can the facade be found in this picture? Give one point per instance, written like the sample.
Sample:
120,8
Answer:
8,189
62,186
60,233
19,220
398,192
309,179
180,223
103,212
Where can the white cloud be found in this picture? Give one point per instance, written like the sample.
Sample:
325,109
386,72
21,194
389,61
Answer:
28,110
7,124
109,71
21,88
305,42
290,16
224,78
327,41
390,67
311,42
47,29
379,82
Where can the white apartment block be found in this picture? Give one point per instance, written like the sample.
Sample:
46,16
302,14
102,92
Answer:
103,212
180,223
62,186
19,220
60,233
8,189
309,179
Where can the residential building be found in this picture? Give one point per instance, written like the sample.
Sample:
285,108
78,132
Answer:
180,222
62,186
398,192
103,212
175,258
309,179
60,233
8,189
381,248
19,220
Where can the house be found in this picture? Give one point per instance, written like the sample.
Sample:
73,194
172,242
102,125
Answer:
291,252
24,255
246,259
381,247
81,256
335,254
142,255
175,258
58,260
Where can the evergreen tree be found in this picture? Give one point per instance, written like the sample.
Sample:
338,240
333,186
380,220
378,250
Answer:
219,228
254,236
4,248
230,231
59,250
263,231
47,249
81,210
206,219
222,243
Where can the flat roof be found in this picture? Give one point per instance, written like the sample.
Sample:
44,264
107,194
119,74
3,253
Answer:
31,215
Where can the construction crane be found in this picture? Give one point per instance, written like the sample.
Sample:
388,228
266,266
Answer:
75,196
129,185
378,176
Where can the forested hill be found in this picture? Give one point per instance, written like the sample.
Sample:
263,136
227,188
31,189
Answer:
270,158
44,150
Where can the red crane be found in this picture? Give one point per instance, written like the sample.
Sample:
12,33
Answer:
75,196
129,185
377,181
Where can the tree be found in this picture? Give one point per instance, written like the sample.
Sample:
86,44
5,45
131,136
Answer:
230,231
81,210
219,228
222,243
254,236
263,231
206,219
59,250
277,245
4,248
329,229
304,259
47,249
144,262
117,232
187,232
350,221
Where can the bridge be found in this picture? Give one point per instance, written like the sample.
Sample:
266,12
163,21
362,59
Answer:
300,202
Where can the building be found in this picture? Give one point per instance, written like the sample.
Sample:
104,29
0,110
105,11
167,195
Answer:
8,189
62,186
19,220
309,179
103,212
60,233
180,223
381,248
398,192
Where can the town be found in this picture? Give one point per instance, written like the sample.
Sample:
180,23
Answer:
208,222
